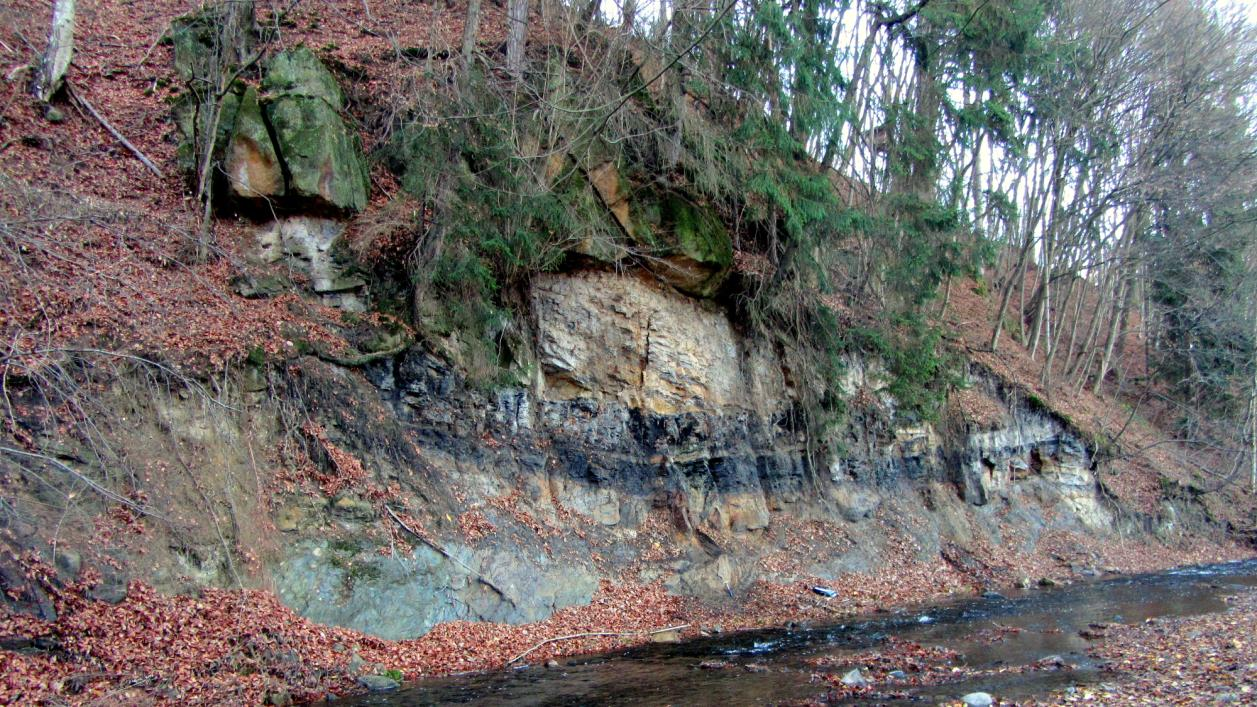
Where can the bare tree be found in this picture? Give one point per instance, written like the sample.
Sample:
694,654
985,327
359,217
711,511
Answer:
516,36
233,51
56,59
471,30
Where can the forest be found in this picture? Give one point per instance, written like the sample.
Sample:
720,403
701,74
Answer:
573,323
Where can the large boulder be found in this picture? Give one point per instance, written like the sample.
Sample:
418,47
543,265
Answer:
690,246
190,120
322,152
299,72
198,39
198,61
251,162
683,241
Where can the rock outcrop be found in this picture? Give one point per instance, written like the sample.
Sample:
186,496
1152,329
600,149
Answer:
251,163
323,154
607,337
288,146
1032,450
661,440
306,244
654,441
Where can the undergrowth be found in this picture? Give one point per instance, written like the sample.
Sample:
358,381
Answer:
496,181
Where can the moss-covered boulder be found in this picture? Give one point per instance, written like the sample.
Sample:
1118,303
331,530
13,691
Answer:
689,245
192,37
191,118
322,152
300,72
250,162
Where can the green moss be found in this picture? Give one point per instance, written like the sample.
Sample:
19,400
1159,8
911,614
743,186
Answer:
1036,403
346,555
299,72
188,120
698,233
193,39
690,244
343,546
596,233
324,156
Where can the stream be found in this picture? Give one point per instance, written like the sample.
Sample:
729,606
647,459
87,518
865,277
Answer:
668,674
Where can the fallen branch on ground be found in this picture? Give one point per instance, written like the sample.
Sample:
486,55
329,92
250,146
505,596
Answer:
447,555
592,634
74,96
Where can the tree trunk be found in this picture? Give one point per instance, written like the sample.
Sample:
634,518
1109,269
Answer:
56,59
237,32
235,50
1093,327
1008,294
471,31
1043,313
629,15
1252,418
516,36
1076,320
1106,360
1054,338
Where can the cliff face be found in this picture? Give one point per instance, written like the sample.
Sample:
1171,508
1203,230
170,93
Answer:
653,438
654,442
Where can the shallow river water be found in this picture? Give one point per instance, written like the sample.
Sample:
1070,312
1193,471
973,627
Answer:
668,674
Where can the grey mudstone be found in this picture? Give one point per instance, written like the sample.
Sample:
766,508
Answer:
110,592
264,287
69,562
404,597
378,683
978,699
854,502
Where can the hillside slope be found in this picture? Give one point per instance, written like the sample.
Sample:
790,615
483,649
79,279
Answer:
286,481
